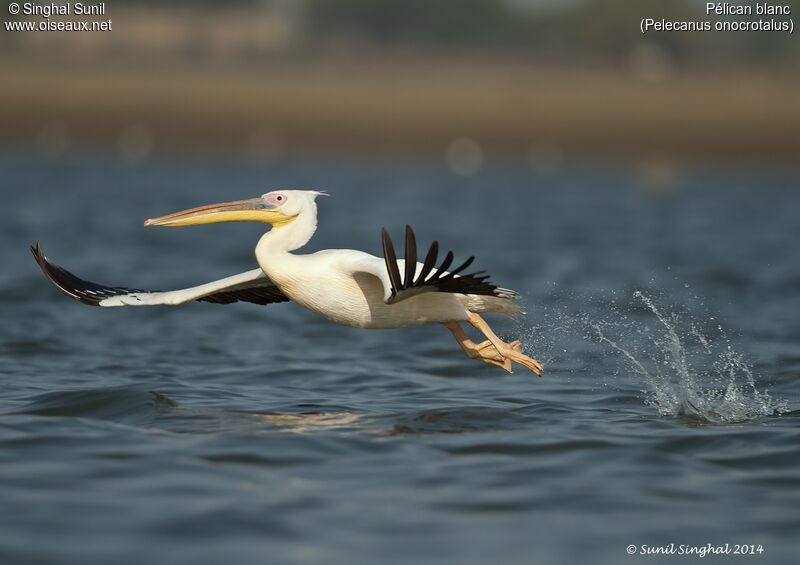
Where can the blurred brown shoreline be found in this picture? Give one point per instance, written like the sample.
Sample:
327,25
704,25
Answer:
405,107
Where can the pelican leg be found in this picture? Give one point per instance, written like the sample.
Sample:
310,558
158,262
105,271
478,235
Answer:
512,351
484,351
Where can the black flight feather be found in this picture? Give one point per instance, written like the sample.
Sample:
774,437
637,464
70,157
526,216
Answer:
92,293
438,279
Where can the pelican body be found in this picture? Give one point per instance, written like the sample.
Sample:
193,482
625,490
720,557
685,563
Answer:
348,287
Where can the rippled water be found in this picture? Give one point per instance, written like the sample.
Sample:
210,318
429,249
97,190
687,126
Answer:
666,316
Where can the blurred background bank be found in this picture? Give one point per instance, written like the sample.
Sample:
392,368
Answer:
464,82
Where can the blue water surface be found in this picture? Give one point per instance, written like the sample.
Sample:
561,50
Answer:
246,434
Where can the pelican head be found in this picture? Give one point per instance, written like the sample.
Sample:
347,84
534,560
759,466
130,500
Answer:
277,208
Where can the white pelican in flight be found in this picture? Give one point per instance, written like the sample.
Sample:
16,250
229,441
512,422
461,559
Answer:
348,287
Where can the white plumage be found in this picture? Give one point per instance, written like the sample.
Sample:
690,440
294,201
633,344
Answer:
345,286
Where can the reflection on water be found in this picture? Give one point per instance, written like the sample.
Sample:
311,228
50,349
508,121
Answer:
312,422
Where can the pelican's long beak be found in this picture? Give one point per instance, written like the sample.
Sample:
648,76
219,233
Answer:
252,210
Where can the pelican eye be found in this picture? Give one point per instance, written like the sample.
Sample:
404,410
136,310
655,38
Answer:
276,199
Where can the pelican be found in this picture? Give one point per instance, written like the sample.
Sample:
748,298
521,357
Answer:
344,286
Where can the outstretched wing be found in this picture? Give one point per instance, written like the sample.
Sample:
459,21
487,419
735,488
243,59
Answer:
253,286
426,277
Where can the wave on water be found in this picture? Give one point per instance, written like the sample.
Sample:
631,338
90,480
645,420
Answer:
119,404
686,372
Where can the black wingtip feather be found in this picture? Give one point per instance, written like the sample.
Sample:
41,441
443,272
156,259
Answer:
429,264
438,279
460,268
411,257
391,261
84,291
93,294
448,259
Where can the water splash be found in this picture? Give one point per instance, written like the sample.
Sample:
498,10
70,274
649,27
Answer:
698,377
